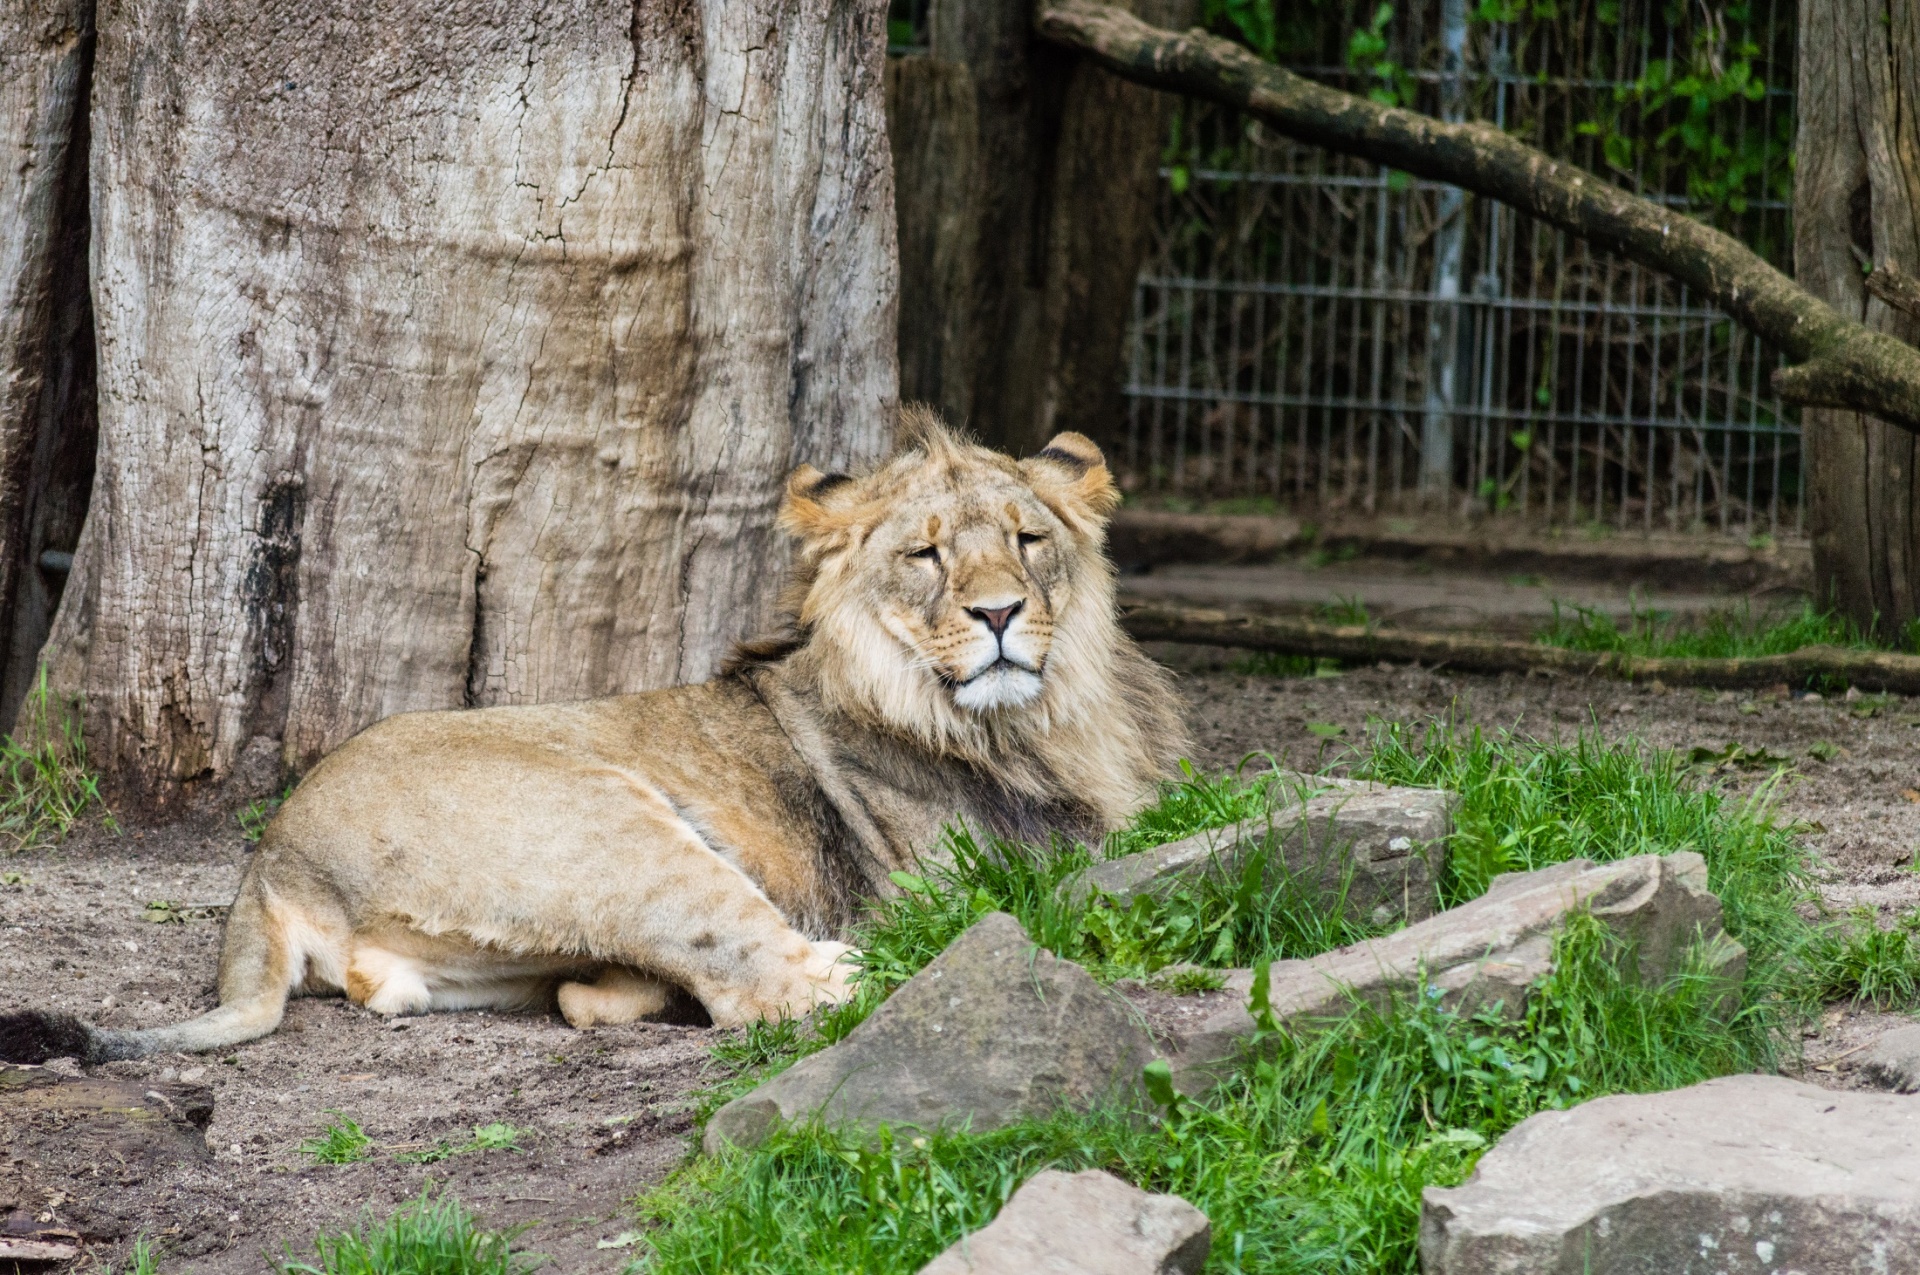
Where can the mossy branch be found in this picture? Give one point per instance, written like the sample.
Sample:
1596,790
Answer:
1839,362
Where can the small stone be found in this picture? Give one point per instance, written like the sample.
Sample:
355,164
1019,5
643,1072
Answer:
993,1030
1739,1176
1893,1060
1087,1223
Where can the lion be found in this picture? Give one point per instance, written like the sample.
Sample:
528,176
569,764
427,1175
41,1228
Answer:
951,652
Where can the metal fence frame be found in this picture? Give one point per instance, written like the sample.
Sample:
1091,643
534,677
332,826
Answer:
1399,347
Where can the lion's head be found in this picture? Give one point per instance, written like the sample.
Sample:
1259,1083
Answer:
964,599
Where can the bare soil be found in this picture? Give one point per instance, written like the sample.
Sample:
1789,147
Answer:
607,1114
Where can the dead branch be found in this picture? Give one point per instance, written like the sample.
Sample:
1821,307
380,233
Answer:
1868,670
1838,361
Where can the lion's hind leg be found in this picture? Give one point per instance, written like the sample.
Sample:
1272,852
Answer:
620,995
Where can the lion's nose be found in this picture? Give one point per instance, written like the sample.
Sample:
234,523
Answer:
997,618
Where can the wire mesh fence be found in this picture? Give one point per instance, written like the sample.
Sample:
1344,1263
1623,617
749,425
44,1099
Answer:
1315,334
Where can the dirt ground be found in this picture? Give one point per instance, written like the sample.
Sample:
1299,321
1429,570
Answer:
607,1113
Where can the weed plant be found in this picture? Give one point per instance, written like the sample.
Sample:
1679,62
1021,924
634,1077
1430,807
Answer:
343,1142
426,1237
46,785
1313,1156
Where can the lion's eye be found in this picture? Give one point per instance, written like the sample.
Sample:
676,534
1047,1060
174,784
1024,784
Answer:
1029,538
928,553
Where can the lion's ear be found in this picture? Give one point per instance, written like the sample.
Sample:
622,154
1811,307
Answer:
1071,475
816,504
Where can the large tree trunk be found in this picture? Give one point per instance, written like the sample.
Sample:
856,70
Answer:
455,353
1857,189
46,324
1026,201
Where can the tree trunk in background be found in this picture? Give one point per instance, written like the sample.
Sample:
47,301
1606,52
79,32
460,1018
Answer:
1857,186
456,354
937,178
1024,214
47,432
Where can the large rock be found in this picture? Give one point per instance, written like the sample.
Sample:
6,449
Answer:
1892,1061
1377,851
995,1029
1087,1223
1484,954
1738,1176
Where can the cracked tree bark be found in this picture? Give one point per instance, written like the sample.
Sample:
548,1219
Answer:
1857,195
455,354
46,324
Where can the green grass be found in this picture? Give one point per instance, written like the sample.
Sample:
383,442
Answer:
343,1142
1858,961
254,817
46,783
426,1237
1312,1158
1735,633
486,1137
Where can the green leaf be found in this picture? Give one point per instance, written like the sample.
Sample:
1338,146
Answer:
1158,1077
910,883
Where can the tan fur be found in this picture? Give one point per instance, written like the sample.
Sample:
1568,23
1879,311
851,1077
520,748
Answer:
716,837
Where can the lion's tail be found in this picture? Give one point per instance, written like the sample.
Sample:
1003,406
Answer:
256,974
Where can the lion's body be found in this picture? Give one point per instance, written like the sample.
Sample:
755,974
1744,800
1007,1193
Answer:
717,838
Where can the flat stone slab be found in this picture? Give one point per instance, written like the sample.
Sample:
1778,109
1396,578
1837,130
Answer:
1892,1061
1378,850
993,1030
1484,954
1746,1175
1087,1223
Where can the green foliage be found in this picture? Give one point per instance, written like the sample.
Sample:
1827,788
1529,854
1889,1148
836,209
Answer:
1726,634
256,815
1251,22
344,1142
46,785
425,1237
1687,112
1389,83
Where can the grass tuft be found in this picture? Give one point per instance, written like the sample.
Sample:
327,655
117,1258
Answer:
46,784
426,1237
1858,961
344,1142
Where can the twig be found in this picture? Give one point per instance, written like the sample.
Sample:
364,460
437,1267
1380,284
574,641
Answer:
1840,362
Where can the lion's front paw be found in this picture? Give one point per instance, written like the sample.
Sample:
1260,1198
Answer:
831,969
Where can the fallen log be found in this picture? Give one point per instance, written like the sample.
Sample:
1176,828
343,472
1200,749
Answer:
1816,665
